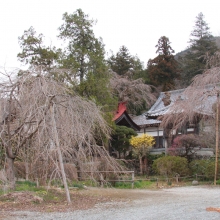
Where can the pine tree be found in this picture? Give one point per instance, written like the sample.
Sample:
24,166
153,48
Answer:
126,65
120,139
163,69
84,59
122,62
201,44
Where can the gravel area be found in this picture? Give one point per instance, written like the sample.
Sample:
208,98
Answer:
173,203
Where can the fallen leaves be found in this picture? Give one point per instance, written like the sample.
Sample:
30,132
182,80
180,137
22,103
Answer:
213,209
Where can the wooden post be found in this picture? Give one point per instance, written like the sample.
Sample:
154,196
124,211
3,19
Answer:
132,177
60,158
101,180
177,178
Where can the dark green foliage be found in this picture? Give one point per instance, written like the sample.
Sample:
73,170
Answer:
201,43
121,137
34,52
84,59
163,69
95,87
171,165
150,160
122,62
127,65
206,168
84,53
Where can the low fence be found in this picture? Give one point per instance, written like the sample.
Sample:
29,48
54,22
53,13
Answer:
131,175
102,180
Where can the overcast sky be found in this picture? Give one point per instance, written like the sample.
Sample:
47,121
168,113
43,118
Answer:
137,24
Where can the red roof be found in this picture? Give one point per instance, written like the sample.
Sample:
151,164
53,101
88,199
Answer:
120,111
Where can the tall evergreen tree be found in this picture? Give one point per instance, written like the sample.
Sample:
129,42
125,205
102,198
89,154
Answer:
122,62
201,44
126,65
163,69
84,59
84,52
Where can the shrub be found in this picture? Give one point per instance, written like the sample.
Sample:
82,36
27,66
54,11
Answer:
185,146
171,165
204,167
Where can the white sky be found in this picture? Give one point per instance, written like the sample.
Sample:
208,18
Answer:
136,24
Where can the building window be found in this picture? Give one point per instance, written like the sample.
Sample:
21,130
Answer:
158,142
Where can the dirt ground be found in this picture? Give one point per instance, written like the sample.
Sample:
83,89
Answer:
195,202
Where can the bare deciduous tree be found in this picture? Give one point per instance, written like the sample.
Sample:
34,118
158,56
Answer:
134,92
38,112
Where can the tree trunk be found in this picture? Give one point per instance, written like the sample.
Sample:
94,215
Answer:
145,165
60,158
63,175
141,168
26,170
10,173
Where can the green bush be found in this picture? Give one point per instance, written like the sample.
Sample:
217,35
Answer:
205,168
171,165
218,182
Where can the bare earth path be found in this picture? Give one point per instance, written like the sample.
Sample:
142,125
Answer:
174,203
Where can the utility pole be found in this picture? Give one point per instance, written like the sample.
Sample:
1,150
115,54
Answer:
217,138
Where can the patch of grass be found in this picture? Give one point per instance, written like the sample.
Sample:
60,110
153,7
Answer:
81,184
26,182
78,185
56,183
54,196
140,184
122,185
27,186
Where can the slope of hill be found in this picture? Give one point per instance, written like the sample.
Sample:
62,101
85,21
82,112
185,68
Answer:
182,53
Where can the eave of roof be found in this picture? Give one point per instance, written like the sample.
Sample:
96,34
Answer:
142,121
122,118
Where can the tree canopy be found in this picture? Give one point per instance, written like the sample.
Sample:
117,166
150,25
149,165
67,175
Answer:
163,69
122,62
41,111
84,53
34,52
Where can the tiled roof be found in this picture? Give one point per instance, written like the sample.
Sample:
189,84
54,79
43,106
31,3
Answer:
165,100
142,120
159,108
